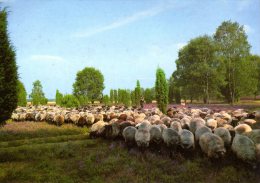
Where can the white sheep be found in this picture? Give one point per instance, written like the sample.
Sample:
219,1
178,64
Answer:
187,139
129,135
224,134
212,145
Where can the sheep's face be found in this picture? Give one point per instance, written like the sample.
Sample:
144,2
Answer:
157,140
187,146
219,154
142,143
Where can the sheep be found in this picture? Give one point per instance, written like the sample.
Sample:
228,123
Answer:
185,123
97,129
212,123
129,135
187,139
244,148
212,145
242,128
155,134
142,136
111,131
196,123
224,134
254,135
74,118
58,119
98,117
200,131
176,126
171,138
166,121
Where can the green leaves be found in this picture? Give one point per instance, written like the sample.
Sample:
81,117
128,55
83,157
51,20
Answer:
37,94
90,83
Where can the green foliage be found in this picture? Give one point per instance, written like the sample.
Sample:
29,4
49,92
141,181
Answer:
112,99
233,51
137,93
106,100
37,94
8,71
69,101
161,90
149,95
255,60
174,91
21,94
115,97
83,100
133,101
89,83
198,70
58,97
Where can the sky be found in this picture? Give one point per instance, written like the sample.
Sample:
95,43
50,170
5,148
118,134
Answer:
125,39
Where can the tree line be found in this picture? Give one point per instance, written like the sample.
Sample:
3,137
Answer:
218,67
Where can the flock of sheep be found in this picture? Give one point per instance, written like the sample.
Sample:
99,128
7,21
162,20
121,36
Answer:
214,132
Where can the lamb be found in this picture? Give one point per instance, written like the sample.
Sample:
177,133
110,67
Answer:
187,139
212,145
171,138
242,128
129,135
244,148
200,131
224,134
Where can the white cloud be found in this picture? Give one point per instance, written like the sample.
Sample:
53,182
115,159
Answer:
46,58
125,21
248,29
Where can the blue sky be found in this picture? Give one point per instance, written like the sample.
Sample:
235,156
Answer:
125,39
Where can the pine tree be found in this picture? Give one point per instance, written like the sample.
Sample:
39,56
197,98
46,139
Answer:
137,93
8,72
161,90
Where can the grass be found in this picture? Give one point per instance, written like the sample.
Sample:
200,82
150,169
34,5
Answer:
39,152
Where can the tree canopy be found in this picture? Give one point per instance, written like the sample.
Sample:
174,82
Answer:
37,94
233,51
89,83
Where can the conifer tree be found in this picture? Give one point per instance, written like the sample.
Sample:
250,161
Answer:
8,71
161,90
